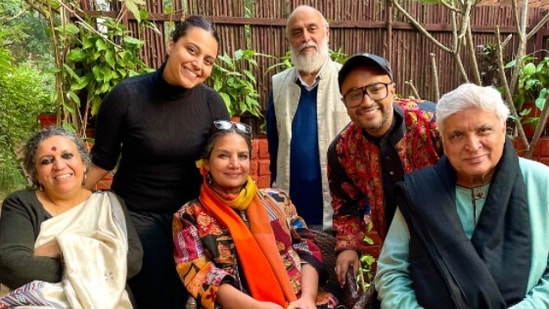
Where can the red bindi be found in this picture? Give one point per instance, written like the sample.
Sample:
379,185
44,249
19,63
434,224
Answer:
53,148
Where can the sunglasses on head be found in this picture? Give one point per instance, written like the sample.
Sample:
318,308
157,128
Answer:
227,125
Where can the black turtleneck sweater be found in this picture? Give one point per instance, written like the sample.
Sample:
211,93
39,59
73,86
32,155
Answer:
159,130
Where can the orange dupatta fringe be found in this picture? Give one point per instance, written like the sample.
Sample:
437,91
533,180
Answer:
258,246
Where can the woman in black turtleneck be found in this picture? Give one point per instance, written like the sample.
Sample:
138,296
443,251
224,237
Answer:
157,124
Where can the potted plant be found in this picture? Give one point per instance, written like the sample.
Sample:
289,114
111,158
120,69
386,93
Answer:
532,92
95,64
91,55
530,100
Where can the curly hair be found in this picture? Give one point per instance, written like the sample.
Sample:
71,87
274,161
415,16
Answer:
29,152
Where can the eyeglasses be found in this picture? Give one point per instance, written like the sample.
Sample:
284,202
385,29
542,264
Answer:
376,92
227,125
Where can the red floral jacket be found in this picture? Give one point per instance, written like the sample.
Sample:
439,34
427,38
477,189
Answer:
356,179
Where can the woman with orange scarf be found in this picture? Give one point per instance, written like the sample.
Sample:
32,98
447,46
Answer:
240,247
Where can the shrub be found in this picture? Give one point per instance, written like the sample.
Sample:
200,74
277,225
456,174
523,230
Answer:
24,95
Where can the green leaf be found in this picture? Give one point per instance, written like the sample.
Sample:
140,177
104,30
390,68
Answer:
529,69
132,7
238,54
101,45
71,73
88,43
71,95
367,259
76,55
217,84
109,58
541,99
68,29
133,41
80,84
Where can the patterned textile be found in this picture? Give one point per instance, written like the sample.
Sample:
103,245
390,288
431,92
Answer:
93,239
206,256
356,178
266,276
36,293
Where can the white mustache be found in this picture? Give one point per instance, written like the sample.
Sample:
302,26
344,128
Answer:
306,45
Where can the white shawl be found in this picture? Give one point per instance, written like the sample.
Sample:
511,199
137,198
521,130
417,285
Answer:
93,239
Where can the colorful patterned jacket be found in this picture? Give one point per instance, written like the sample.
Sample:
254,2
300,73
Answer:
356,173
206,257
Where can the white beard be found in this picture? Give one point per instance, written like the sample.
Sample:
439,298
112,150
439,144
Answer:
310,62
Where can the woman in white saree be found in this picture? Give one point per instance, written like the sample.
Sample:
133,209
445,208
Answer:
62,246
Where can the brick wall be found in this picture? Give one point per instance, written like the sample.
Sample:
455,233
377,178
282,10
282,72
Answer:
259,169
541,151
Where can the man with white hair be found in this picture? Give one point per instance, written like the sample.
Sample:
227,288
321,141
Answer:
304,99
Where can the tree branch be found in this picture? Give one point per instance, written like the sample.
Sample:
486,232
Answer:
419,27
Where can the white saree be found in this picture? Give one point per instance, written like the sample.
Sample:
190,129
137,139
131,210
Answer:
93,240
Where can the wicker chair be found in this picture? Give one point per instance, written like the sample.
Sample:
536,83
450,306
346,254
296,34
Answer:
326,242
346,297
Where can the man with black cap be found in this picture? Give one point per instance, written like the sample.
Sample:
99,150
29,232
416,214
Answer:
388,137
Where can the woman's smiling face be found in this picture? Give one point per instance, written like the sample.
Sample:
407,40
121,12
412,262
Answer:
229,163
191,58
59,166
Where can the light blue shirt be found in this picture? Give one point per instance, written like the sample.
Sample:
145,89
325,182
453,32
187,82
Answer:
393,281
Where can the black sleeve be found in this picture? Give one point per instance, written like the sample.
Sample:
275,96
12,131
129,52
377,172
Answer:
109,127
19,227
218,109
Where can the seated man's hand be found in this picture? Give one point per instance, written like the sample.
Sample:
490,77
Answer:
346,259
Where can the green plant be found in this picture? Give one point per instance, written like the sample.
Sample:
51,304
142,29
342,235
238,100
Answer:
23,96
96,64
488,64
234,80
91,56
532,87
365,271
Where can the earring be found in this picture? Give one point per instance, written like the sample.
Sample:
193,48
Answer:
209,179
40,187
85,177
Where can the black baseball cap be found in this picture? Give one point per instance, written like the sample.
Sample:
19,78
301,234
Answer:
365,59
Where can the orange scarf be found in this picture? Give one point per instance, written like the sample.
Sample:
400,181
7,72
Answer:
256,247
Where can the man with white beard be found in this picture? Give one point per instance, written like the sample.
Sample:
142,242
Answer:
304,115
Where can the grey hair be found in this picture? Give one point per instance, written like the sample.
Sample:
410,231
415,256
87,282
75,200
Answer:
467,96
29,152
